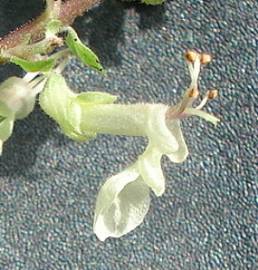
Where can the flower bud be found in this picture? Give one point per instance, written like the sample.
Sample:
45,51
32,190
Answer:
18,96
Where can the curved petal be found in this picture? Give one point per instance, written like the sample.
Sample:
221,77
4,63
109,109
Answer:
150,169
181,154
158,132
6,129
122,204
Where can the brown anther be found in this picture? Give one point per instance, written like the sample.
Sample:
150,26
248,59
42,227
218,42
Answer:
191,56
193,93
212,94
205,58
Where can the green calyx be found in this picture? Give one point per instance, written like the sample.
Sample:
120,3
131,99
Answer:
55,100
62,104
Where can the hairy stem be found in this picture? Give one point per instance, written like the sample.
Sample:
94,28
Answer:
70,9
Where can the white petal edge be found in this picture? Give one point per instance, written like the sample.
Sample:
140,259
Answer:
150,169
122,203
181,154
6,129
158,131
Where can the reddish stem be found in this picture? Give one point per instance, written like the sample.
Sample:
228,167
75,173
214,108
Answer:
69,11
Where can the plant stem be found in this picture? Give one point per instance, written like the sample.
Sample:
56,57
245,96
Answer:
70,9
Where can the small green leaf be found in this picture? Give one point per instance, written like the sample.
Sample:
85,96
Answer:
153,2
55,100
85,54
34,66
96,98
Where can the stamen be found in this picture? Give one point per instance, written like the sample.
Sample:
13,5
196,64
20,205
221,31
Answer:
188,99
205,58
196,71
211,94
206,116
193,93
191,56
194,60
203,102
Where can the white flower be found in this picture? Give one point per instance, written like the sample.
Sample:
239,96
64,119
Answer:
123,201
17,100
18,96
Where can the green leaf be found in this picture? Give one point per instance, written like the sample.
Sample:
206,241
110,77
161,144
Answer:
153,2
85,54
96,98
34,66
55,100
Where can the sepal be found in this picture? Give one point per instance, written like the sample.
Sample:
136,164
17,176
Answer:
55,100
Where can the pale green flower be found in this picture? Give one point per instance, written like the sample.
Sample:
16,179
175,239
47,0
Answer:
17,100
123,200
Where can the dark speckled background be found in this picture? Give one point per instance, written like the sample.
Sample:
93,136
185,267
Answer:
206,219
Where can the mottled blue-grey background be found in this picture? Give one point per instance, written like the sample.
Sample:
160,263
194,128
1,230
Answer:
206,219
